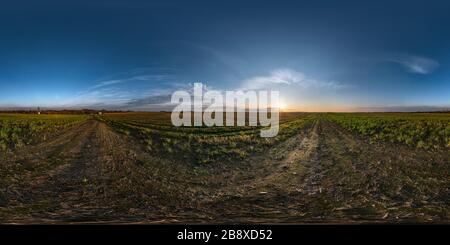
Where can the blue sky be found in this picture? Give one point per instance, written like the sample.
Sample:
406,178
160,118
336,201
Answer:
320,55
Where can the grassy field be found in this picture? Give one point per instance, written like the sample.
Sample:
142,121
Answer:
138,168
17,130
421,130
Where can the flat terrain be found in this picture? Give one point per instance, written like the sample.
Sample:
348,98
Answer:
96,171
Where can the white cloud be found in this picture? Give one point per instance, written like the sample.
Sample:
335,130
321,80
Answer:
282,77
125,88
140,78
414,63
107,83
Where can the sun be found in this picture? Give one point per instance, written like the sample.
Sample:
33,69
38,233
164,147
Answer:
282,105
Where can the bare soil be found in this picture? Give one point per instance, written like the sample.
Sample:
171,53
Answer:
93,174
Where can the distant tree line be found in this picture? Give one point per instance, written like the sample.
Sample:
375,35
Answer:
65,111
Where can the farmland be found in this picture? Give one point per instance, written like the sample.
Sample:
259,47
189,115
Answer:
421,130
17,130
138,168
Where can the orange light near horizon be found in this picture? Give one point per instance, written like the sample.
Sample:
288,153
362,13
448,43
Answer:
282,106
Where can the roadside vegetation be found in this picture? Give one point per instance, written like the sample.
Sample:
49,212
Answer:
422,130
18,130
201,145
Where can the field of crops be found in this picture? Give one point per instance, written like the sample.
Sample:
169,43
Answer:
17,130
137,167
201,144
421,130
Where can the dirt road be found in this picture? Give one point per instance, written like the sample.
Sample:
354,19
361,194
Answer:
91,173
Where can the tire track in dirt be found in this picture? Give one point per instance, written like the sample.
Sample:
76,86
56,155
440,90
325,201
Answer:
30,166
136,185
344,178
322,174
47,192
287,170
275,196
101,178
387,182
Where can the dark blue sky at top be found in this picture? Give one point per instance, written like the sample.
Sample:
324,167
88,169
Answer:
322,53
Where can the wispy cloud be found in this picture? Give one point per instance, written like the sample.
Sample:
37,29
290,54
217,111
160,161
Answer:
106,83
138,87
139,78
280,77
160,99
414,63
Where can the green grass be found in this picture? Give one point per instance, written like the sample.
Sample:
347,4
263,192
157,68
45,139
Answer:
201,144
17,130
421,130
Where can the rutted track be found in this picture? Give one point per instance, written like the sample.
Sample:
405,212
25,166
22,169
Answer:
340,177
323,174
